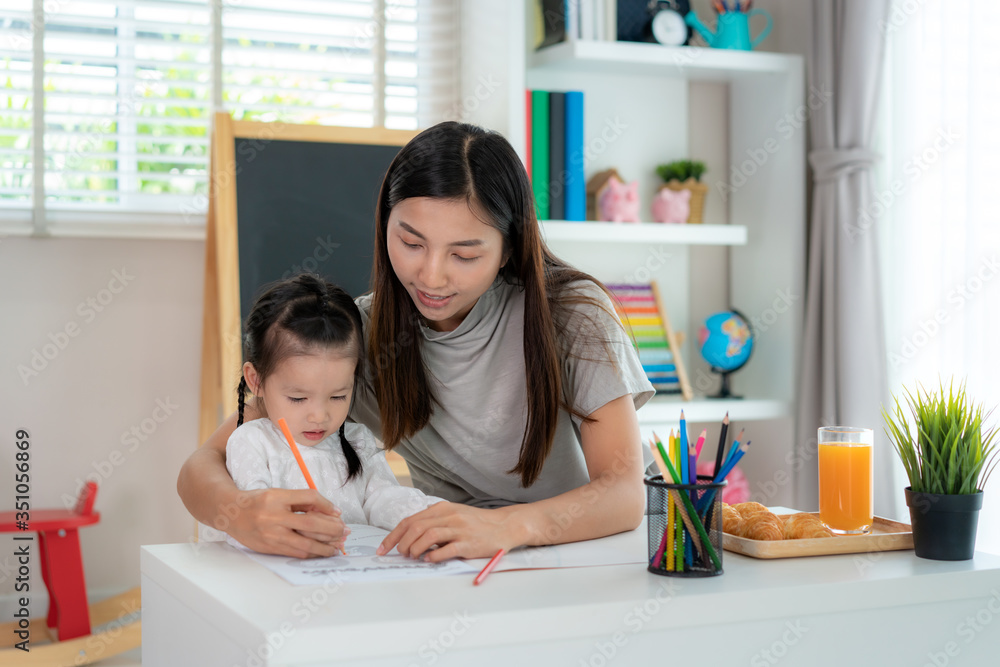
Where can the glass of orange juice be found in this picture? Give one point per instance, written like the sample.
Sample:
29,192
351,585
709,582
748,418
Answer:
846,492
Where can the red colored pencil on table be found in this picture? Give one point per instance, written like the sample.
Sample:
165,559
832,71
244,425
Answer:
489,567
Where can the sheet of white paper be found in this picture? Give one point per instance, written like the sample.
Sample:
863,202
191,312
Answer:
360,563
621,549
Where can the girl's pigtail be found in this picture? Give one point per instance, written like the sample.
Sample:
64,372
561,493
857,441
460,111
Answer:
353,461
241,393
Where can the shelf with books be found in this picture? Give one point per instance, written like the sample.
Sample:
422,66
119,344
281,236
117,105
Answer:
644,105
683,62
644,232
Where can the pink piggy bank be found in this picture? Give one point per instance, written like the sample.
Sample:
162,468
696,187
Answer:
672,205
619,202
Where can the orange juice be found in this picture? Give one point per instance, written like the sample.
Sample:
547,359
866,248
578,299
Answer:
845,486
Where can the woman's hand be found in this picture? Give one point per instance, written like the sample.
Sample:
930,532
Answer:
269,521
459,531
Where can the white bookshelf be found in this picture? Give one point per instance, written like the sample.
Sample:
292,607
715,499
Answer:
682,62
556,231
667,409
636,116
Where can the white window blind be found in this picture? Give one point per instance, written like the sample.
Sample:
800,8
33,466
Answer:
15,102
129,88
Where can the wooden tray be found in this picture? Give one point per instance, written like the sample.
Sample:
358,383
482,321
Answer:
886,535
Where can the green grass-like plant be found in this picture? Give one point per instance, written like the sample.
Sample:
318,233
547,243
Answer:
681,170
946,450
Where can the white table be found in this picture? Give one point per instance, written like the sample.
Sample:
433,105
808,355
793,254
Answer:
210,605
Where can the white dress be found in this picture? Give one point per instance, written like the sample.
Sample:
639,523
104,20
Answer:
258,457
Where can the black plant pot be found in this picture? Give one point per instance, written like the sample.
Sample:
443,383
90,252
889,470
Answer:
944,526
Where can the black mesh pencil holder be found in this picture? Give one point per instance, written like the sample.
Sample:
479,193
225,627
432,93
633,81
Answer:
684,526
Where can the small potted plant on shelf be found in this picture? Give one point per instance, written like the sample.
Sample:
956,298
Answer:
686,175
948,455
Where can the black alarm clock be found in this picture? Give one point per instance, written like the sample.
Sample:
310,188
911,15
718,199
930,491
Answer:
667,24
660,21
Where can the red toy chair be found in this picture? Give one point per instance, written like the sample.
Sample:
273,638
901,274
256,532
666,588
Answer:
69,615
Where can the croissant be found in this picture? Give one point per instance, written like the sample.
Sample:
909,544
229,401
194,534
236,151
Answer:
803,526
762,526
747,509
732,522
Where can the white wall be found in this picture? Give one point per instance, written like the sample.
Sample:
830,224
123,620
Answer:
140,351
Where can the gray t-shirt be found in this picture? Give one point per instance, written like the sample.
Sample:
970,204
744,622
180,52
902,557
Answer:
477,374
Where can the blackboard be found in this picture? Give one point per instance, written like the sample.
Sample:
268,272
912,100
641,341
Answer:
306,206
283,198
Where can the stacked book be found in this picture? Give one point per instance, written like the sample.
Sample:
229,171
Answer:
555,154
569,20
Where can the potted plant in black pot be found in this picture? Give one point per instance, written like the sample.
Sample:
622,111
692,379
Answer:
948,455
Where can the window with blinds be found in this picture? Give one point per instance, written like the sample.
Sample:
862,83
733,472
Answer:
16,37
128,87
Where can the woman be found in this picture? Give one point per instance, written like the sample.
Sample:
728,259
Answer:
501,374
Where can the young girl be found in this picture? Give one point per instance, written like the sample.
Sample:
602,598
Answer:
303,350
499,373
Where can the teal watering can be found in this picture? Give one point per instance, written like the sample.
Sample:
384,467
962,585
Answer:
732,30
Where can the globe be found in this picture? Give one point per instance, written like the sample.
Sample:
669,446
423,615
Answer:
726,342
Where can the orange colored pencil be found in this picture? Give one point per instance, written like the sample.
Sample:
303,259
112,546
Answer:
283,425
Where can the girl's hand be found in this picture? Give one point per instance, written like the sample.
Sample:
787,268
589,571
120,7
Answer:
268,521
459,531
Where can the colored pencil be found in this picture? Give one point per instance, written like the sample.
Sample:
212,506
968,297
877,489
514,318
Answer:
733,460
722,445
734,447
489,568
699,445
683,434
671,532
706,500
668,537
283,425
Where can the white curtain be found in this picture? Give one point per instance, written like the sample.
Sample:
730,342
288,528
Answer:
937,205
